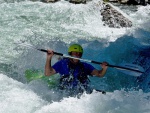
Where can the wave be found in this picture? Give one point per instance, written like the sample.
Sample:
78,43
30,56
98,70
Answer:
18,97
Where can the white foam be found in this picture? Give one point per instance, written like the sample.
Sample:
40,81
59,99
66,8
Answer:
119,101
15,98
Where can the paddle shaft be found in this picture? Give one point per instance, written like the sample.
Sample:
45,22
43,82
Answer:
91,61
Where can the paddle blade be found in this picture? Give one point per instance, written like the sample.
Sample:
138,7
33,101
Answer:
134,70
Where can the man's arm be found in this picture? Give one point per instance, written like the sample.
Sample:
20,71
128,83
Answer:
100,73
48,68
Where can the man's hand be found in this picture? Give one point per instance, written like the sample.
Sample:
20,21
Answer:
49,53
104,65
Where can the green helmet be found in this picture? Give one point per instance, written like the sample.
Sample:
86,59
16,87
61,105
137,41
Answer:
75,48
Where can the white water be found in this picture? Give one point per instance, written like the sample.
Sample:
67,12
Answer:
56,26
17,97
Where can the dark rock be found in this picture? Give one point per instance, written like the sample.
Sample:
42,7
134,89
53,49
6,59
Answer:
77,1
114,18
49,1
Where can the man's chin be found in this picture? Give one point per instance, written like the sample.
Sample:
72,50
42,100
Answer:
75,61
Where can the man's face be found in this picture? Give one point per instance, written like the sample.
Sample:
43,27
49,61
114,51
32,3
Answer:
76,54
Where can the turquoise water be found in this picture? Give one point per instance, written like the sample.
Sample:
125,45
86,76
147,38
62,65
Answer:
56,26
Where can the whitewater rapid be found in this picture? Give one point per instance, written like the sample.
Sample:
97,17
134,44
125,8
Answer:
56,26
17,97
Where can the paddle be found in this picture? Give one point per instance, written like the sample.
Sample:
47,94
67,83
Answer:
133,69
130,69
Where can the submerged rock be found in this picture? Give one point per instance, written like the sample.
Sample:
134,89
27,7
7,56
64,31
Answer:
143,59
71,1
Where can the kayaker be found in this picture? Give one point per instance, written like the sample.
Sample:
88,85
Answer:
73,72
